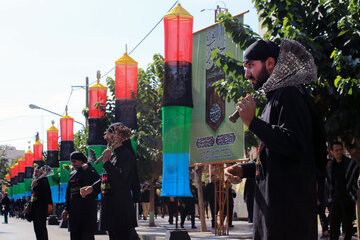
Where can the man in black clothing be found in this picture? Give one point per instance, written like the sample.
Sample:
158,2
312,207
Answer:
41,203
82,212
5,203
210,196
187,207
343,176
249,190
119,185
285,190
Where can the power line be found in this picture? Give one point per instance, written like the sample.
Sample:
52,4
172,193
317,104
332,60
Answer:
15,139
138,43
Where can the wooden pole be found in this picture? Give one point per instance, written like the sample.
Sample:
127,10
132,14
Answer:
201,199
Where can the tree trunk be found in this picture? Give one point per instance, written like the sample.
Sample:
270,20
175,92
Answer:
152,204
201,199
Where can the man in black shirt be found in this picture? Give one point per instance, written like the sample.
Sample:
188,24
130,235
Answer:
343,175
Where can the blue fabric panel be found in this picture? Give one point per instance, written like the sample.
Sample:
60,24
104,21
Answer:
63,187
176,175
55,193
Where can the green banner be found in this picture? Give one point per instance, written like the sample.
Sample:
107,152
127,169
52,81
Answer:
213,137
54,179
99,150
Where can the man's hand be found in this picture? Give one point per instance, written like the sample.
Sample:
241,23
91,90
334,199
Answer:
84,166
246,108
34,183
234,173
106,155
64,215
84,191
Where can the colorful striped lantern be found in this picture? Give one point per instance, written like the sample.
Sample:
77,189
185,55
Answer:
38,156
29,170
16,182
52,146
66,148
177,102
125,91
21,176
97,121
53,160
12,180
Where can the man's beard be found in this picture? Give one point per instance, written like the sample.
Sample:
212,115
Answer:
262,78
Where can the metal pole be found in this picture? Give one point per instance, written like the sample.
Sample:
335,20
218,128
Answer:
86,99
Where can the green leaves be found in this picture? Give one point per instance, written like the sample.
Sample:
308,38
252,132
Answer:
330,30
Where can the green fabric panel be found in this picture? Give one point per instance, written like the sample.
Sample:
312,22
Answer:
134,145
10,191
99,150
54,179
64,171
176,129
15,189
21,188
27,182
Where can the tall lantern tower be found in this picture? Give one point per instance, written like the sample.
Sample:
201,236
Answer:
125,90
177,102
29,158
16,183
38,150
53,160
21,177
97,121
66,148
12,182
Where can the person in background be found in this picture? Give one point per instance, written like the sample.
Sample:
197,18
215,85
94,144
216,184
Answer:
344,173
41,203
5,204
82,212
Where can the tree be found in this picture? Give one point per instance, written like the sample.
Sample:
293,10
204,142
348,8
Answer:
4,163
80,140
149,132
330,30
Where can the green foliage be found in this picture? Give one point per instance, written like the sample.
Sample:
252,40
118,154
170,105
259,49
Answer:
80,140
149,117
4,162
330,30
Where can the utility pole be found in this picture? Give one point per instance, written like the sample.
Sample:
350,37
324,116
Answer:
86,99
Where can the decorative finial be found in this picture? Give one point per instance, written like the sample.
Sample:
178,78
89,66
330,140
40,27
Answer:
98,75
66,110
52,122
126,48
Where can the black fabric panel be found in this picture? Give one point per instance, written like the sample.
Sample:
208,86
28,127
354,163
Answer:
97,127
29,172
52,158
125,112
21,177
15,180
66,148
177,84
11,181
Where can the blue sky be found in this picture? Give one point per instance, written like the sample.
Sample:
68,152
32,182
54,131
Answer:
48,46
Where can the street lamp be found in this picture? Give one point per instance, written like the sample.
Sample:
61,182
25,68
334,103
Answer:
33,106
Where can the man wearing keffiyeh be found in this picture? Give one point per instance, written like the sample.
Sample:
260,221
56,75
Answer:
291,143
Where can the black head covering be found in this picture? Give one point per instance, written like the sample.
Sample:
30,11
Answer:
77,155
111,128
262,50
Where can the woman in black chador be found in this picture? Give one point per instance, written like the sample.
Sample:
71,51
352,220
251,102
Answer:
119,185
40,201
81,211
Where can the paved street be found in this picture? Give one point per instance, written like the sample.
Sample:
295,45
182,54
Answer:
23,230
